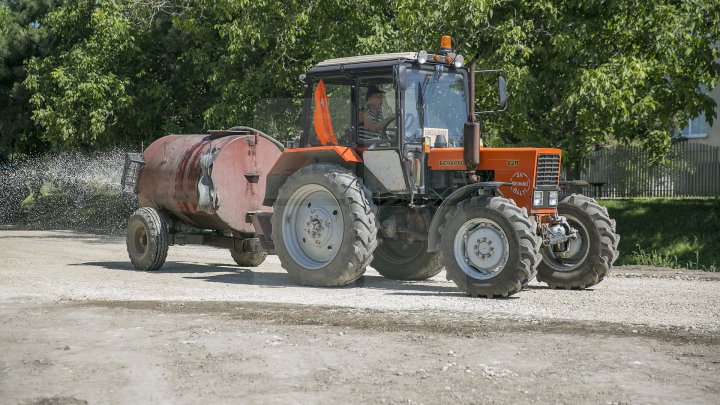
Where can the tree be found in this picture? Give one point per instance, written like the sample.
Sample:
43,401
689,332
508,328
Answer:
21,37
584,72
260,47
123,71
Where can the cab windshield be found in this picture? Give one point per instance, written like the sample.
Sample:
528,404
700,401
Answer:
434,103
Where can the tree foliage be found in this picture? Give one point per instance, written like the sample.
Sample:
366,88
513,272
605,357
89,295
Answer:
125,71
591,71
20,39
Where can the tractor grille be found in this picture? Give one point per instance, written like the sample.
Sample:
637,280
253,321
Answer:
548,170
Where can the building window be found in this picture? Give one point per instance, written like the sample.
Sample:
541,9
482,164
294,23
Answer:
696,128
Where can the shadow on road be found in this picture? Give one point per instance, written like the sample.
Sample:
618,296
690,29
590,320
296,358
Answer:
168,267
74,235
547,287
239,275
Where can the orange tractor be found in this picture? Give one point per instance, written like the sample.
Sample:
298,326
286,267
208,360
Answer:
390,172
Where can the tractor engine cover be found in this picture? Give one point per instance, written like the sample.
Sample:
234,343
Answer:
208,182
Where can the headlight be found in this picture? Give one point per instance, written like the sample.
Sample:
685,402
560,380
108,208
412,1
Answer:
553,198
459,60
422,56
537,198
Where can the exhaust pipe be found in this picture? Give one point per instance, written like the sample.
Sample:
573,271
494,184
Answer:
471,132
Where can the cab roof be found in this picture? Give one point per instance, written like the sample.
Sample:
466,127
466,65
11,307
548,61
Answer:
363,61
380,57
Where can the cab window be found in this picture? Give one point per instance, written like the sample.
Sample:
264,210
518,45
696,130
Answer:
330,114
376,115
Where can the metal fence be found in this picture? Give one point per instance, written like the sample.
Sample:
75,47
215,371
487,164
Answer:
691,170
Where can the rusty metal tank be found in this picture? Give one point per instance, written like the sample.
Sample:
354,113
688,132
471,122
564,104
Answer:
209,181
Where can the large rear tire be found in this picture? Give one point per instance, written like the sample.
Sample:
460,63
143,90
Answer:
590,256
324,226
402,253
400,260
147,239
489,247
248,259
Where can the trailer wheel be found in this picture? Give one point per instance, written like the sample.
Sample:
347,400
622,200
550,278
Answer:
590,256
147,239
324,226
248,259
400,260
489,247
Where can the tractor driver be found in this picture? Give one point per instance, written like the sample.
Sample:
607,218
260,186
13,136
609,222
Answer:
372,123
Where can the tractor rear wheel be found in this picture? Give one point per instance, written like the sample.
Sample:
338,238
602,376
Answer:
248,259
402,260
324,226
147,239
589,256
489,247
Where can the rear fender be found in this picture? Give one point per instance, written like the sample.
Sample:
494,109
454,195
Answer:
293,160
489,187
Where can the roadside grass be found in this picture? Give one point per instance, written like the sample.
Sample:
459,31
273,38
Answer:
675,233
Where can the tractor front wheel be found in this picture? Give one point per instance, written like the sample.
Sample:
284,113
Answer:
489,247
587,258
147,239
324,226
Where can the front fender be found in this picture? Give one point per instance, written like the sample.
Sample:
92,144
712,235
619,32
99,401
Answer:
453,199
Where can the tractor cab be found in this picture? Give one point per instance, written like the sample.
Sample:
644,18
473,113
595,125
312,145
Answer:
407,95
388,116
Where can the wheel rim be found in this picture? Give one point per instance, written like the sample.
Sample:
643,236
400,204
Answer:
576,253
139,239
312,226
481,248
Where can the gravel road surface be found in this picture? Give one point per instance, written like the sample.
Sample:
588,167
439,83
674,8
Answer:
79,325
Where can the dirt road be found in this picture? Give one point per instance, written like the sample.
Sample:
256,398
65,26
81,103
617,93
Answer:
78,324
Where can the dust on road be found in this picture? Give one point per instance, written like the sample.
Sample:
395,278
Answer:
79,325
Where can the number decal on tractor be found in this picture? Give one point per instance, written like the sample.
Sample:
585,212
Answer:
513,162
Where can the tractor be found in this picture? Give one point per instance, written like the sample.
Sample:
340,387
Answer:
389,170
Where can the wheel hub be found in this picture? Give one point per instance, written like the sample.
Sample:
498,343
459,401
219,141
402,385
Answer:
485,247
573,247
481,248
139,239
318,226
575,252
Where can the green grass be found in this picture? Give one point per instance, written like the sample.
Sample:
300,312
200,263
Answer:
676,233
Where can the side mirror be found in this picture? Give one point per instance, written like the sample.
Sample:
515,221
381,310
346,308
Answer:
502,87
402,77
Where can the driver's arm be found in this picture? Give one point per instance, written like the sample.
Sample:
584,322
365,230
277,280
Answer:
374,126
